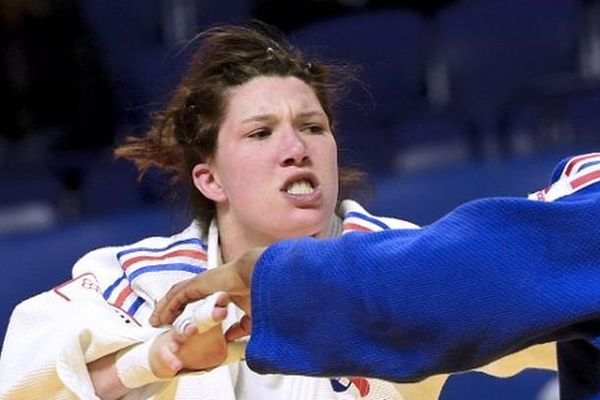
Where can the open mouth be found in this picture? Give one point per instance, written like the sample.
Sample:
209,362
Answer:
303,186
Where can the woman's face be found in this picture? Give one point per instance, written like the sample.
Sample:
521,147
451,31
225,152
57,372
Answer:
274,174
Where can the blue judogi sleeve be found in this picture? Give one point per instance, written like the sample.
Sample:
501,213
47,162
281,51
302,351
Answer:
492,277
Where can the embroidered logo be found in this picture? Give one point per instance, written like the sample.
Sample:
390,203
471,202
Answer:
81,286
342,384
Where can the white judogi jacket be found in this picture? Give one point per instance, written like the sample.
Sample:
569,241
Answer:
105,307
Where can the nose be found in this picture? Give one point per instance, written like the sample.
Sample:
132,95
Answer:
294,150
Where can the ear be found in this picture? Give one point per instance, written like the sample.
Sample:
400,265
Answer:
207,182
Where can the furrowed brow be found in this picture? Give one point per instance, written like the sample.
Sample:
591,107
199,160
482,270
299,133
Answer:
258,118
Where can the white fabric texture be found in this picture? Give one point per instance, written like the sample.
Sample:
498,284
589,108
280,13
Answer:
105,308
53,336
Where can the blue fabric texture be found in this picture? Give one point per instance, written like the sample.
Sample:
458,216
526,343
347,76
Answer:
492,277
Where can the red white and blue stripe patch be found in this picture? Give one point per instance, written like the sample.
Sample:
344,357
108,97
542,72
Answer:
120,295
185,255
578,173
360,222
188,255
576,164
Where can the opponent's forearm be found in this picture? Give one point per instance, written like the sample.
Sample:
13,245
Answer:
491,278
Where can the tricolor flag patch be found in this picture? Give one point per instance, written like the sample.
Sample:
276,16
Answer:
187,256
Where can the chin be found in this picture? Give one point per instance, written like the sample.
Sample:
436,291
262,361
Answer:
306,225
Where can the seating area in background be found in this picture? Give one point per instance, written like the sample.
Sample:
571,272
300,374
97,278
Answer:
389,47
425,196
462,82
471,99
450,86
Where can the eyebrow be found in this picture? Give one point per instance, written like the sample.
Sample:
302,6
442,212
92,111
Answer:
315,113
269,117
258,118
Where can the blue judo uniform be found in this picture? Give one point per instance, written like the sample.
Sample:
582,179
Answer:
492,277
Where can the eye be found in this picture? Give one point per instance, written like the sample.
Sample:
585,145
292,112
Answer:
314,129
260,134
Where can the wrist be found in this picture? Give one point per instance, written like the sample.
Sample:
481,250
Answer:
133,365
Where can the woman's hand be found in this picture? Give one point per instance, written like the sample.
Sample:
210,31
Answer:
173,351
164,356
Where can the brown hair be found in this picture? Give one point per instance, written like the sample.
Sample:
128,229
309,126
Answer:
185,132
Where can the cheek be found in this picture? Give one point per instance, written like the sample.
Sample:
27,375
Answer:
242,180
240,183
332,156
330,168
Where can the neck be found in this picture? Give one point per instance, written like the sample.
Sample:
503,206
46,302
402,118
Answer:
233,241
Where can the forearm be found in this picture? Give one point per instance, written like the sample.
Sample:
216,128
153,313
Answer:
489,279
103,373
114,375
133,367
157,359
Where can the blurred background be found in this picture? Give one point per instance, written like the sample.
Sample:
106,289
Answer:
462,99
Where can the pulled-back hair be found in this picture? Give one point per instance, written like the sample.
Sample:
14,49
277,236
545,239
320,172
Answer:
185,132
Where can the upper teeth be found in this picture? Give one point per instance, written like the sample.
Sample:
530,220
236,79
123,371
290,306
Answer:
300,187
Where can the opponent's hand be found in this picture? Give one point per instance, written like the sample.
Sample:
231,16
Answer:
234,278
